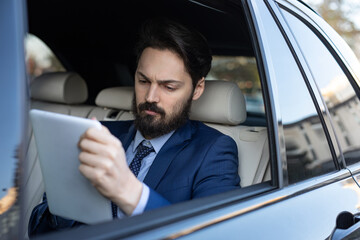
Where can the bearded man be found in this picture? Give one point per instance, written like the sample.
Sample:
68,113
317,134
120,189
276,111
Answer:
161,157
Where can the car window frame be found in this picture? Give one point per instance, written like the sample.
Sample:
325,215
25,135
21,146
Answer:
338,57
308,79
345,56
120,228
262,192
272,104
275,150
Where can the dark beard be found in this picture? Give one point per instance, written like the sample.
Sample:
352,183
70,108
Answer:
151,128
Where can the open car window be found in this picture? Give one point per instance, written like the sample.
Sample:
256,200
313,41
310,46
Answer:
287,154
238,57
233,61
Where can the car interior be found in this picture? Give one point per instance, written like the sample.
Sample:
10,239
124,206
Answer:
94,43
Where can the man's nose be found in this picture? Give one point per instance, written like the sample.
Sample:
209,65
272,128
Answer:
153,94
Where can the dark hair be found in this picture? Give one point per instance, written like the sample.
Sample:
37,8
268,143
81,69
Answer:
189,44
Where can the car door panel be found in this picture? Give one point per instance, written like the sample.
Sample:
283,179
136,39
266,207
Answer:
299,215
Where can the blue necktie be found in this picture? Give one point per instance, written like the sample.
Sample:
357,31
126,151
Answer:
142,152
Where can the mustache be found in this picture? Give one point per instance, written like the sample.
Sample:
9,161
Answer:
151,107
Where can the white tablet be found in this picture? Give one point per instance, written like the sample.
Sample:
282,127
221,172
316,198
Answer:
69,193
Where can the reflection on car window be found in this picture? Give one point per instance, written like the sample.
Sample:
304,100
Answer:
335,88
307,150
242,71
39,58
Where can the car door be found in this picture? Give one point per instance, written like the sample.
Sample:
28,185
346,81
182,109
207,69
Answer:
310,184
335,71
315,186
12,105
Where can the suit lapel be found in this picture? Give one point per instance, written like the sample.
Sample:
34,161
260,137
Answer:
126,138
123,130
167,154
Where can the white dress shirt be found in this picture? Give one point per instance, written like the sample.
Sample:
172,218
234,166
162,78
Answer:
157,144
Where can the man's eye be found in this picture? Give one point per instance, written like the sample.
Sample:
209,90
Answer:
170,88
142,81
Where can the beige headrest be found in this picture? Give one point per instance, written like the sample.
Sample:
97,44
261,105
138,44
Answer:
222,102
116,97
60,87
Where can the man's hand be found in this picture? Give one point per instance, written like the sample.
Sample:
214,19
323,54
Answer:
103,162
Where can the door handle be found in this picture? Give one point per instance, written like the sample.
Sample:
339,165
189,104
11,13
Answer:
347,227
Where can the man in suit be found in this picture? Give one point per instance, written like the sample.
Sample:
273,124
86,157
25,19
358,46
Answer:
161,157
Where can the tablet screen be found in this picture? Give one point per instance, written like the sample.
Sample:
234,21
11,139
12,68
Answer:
69,193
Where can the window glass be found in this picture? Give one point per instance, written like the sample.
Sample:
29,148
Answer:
334,86
39,58
243,71
307,150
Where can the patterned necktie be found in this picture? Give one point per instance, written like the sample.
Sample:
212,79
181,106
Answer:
142,152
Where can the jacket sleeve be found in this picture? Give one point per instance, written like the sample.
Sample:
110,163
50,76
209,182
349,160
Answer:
155,201
218,171
42,221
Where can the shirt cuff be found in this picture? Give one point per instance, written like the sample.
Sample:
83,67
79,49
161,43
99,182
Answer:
140,207
143,201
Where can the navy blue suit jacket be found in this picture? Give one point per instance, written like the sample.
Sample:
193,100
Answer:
196,161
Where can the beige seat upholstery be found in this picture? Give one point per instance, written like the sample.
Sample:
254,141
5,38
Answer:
61,92
114,104
222,102
63,87
222,106
253,150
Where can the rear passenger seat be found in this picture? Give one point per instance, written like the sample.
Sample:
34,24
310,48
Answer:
222,106
114,104
61,92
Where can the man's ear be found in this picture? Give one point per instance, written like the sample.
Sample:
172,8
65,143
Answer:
199,89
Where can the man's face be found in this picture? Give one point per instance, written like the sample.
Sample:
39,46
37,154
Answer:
163,93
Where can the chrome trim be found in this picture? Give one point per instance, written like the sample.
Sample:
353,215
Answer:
273,97
223,218
354,168
322,27
308,78
313,83
265,200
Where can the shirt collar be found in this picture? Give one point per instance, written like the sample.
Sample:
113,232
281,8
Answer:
157,143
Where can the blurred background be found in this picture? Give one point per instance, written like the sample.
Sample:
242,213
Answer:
343,16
